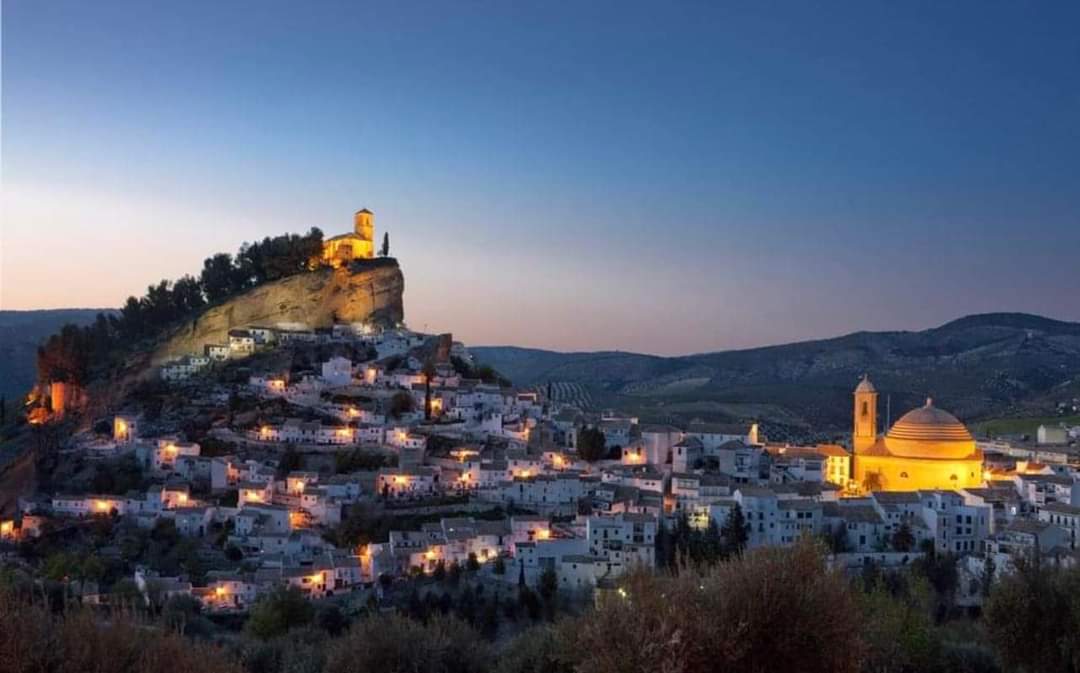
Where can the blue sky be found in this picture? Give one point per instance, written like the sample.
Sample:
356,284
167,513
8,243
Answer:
657,177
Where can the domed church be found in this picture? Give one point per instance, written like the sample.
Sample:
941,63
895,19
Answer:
926,449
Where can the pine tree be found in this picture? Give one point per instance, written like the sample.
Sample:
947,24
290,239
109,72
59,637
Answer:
734,530
663,546
713,543
385,252
429,372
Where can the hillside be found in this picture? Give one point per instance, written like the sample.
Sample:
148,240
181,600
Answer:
20,334
977,366
370,290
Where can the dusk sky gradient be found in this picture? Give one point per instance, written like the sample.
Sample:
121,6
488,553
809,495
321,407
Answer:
656,177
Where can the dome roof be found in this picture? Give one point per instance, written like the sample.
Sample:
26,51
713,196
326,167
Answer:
929,424
865,386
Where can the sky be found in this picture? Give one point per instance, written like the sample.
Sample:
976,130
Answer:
656,177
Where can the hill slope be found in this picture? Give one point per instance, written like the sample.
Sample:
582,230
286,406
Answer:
976,366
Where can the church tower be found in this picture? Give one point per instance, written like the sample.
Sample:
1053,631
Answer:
364,221
865,431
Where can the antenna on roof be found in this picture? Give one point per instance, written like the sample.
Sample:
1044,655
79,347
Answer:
888,412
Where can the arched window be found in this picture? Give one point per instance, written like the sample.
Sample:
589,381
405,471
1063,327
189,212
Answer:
903,475
953,478
865,408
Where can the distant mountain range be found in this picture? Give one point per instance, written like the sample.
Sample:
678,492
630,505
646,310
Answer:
20,334
976,367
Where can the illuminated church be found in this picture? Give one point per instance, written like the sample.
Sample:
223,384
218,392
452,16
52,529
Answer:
357,244
926,449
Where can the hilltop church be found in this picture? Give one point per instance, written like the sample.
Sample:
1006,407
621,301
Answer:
357,244
926,449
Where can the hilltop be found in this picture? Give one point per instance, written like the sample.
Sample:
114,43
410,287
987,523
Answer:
977,366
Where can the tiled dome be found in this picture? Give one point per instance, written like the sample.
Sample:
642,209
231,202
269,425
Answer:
929,424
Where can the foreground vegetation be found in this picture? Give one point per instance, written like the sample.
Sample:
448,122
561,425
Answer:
766,610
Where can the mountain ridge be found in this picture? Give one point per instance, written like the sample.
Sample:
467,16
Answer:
979,365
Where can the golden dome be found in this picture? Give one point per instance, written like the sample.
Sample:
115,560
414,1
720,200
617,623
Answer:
931,424
929,432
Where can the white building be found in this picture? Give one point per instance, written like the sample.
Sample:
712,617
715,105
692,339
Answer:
337,372
241,343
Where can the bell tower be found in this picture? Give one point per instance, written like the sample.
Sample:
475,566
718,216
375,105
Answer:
865,430
364,226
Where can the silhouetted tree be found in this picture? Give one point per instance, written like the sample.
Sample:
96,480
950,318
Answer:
591,445
385,252
734,530
903,540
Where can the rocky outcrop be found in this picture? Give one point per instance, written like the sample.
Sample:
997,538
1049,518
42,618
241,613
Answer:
365,291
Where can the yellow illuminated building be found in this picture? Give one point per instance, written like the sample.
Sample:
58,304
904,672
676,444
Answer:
357,244
926,449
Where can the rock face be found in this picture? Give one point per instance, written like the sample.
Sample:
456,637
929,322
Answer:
365,291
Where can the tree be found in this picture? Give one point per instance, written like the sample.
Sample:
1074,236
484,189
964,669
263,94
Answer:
429,373
290,461
942,573
217,277
872,482
499,567
897,631
397,643
734,531
188,295
472,565
528,600
1033,618
771,609
549,584
401,403
591,444
903,540
836,539
331,619
385,251
279,611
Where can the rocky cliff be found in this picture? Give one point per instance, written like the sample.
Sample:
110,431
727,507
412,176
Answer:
366,291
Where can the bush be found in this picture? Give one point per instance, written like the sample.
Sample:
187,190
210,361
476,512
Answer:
1033,618
395,643
32,640
281,610
539,649
768,610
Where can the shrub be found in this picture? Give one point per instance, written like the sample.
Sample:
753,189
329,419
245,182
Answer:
32,640
768,610
395,643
